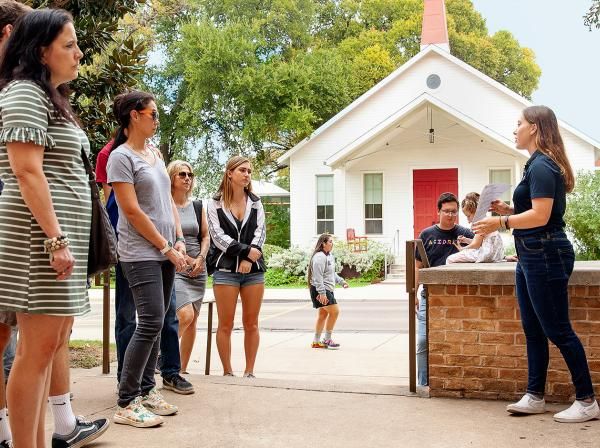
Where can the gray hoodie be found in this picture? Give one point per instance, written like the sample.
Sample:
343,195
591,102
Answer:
323,273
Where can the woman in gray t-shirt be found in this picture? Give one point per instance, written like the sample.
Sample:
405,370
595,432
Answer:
190,285
149,252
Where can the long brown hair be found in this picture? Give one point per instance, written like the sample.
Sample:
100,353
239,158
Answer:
549,141
225,189
470,202
318,248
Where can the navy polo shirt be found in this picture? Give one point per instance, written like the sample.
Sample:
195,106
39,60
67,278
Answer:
541,179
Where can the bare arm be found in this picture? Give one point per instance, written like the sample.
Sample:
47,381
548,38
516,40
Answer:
26,163
537,216
129,206
475,243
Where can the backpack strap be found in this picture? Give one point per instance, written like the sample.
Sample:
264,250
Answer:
198,211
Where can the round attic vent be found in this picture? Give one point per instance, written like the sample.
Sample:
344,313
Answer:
433,81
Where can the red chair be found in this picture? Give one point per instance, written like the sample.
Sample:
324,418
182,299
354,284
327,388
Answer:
356,243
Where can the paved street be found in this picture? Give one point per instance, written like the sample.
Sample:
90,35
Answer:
372,330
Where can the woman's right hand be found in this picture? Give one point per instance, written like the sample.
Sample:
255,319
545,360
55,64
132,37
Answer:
177,259
254,254
500,207
322,298
63,262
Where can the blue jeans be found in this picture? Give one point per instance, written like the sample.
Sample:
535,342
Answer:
124,316
542,276
170,361
152,286
422,349
9,352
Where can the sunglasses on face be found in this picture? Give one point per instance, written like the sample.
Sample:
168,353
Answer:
184,174
151,113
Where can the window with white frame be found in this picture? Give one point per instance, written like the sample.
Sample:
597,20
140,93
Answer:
502,176
373,196
325,204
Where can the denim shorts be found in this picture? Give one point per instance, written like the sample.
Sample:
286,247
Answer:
238,279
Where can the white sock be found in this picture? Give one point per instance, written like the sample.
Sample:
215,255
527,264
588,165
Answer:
317,337
64,419
328,335
5,433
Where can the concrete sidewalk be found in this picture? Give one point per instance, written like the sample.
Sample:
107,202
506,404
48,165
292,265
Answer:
245,413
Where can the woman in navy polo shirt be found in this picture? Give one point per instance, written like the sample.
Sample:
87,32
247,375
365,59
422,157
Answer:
545,264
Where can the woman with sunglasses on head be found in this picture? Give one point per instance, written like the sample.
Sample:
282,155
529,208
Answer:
236,222
150,248
190,285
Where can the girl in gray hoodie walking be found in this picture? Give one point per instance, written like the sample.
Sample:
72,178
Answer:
321,281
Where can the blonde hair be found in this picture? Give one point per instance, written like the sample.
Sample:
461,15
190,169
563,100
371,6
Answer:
173,170
470,202
549,141
225,189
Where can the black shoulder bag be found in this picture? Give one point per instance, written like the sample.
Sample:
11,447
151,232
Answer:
198,211
103,241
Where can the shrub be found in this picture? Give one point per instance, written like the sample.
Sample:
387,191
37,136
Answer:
583,215
269,249
278,224
279,277
369,264
293,261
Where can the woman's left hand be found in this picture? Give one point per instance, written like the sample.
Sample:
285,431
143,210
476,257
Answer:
245,267
486,225
180,247
345,285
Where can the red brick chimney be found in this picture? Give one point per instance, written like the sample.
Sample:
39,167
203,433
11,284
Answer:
435,29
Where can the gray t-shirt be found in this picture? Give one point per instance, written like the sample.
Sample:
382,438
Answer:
190,228
153,190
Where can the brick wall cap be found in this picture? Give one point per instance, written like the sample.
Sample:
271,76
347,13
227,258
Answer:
584,273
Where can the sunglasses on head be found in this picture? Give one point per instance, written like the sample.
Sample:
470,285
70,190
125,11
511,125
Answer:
151,113
184,174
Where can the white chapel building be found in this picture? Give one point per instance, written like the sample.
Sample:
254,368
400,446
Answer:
435,124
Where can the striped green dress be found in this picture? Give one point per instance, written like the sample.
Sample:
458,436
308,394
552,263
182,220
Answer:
27,281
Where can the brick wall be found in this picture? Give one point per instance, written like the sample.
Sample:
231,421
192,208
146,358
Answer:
477,345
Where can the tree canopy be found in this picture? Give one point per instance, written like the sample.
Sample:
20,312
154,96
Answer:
114,57
592,17
256,77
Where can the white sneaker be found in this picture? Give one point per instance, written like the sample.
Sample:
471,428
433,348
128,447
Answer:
527,405
579,412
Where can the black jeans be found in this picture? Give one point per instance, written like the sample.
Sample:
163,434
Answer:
151,284
124,316
542,276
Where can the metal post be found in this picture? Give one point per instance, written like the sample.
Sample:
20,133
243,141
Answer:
106,323
411,290
208,338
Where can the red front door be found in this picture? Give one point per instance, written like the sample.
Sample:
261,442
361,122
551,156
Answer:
427,187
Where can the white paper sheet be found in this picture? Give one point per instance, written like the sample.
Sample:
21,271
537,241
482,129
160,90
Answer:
489,194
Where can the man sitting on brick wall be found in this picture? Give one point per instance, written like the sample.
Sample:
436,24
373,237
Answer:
440,242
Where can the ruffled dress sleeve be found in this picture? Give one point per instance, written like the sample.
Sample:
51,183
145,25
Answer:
25,111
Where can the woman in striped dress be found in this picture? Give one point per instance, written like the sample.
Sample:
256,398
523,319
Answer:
45,207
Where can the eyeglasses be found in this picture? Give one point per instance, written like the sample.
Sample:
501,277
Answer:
151,113
184,174
449,212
